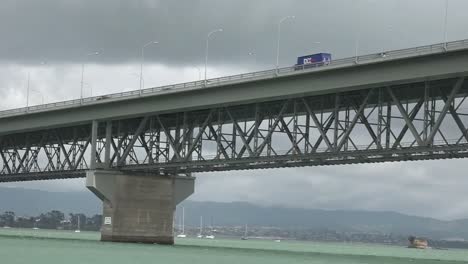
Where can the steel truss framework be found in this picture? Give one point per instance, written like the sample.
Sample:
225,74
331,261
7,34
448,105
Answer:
417,121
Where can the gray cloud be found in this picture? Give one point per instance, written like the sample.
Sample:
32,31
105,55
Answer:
63,31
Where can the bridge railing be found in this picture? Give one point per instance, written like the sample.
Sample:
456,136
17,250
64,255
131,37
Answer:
245,77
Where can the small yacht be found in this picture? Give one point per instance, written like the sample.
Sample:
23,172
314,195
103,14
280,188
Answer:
210,236
35,224
78,229
200,234
244,237
182,234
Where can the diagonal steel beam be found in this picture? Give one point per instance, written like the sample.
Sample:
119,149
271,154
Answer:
458,120
456,88
5,162
35,153
218,142
369,128
184,138
81,155
412,116
317,123
130,145
118,147
62,147
49,157
145,146
355,119
289,134
169,137
200,134
25,155
326,128
22,158
241,134
405,116
272,128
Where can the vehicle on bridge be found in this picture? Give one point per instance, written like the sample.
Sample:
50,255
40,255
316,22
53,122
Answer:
312,61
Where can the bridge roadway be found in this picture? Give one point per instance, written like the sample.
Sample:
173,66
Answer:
398,106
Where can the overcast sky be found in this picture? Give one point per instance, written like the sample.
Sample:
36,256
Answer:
49,39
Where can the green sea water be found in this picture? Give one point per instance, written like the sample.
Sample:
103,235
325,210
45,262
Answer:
50,247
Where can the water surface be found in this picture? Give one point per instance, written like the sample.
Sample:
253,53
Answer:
53,246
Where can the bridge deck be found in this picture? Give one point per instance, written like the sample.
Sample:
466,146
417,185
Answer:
401,66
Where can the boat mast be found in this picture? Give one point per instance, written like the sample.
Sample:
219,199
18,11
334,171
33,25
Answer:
201,224
183,220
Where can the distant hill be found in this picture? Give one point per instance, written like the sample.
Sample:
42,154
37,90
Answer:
33,202
239,213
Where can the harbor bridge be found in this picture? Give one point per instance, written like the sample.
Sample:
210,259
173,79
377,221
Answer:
400,105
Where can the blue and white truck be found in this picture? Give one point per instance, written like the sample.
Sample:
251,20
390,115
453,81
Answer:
312,61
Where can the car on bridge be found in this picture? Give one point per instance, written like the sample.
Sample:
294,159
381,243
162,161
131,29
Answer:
313,61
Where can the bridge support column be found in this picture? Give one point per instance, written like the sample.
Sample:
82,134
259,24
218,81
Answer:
138,207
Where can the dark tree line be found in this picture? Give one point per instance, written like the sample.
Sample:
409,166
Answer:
52,220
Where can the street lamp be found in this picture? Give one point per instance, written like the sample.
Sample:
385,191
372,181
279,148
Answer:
199,73
82,74
253,55
279,39
28,89
207,46
142,61
445,23
27,92
32,90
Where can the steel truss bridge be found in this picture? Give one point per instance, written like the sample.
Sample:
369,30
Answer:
421,118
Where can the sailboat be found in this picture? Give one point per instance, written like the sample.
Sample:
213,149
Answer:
182,234
211,236
35,224
200,234
245,233
78,229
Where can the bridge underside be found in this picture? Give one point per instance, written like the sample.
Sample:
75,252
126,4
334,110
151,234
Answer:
415,121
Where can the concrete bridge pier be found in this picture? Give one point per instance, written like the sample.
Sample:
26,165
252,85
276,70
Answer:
138,207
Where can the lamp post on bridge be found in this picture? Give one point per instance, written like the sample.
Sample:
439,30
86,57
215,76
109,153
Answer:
207,47
279,40
199,73
253,55
27,91
82,74
445,23
28,86
143,60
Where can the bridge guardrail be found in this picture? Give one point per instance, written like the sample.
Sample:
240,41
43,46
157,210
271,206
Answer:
274,73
